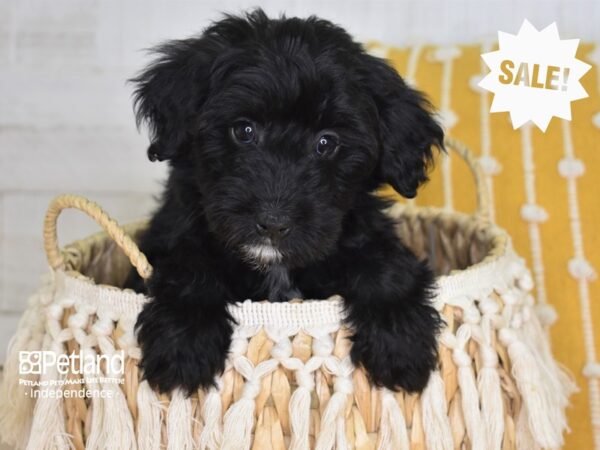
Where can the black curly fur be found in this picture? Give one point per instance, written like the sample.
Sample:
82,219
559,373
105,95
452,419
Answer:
292,79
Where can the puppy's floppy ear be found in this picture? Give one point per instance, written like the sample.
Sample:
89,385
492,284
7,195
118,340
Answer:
169,92
407,129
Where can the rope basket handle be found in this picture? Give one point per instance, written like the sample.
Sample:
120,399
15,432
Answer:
483,199
112,228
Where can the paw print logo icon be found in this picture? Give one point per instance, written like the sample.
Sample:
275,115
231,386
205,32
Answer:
30,363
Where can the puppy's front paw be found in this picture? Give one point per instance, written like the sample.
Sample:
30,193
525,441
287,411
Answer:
181,350
400,353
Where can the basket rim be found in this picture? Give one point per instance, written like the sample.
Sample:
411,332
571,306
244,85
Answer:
498,271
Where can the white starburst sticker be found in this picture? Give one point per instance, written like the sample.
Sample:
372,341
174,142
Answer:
534,75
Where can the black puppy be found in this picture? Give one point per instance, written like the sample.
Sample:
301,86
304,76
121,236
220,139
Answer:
277,133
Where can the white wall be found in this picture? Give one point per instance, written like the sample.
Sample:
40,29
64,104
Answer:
66,123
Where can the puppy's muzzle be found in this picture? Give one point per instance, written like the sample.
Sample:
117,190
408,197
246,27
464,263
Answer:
273,226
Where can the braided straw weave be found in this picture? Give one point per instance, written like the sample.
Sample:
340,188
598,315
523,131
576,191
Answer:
289,382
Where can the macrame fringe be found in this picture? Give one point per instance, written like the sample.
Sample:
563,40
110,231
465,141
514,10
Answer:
537,338
95,438
300,418
470,405
524,438
542,383
16,407
438,434
341,441
212,434
468,390
335,407
559,384
490,394
179,422
488,379
239,420
119,431
392,428
149,418
48,425
545,415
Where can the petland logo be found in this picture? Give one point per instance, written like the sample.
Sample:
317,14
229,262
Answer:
40,362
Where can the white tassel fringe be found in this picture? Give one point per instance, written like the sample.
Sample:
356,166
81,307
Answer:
16,408
545,414
392,428
438,434
149,418
468,390
212,434
48,426
300,418
335,407
179,422
239,421
492,409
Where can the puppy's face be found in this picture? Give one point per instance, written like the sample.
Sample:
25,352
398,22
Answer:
280,126
284,144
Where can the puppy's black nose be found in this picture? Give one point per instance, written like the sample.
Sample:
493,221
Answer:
274,227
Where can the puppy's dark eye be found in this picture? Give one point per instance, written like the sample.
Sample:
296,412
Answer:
327,144
244,132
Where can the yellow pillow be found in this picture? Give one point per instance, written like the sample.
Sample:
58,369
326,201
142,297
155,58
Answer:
545,191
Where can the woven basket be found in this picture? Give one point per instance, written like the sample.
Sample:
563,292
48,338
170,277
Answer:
289,382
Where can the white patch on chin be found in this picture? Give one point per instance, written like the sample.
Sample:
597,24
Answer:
262,254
